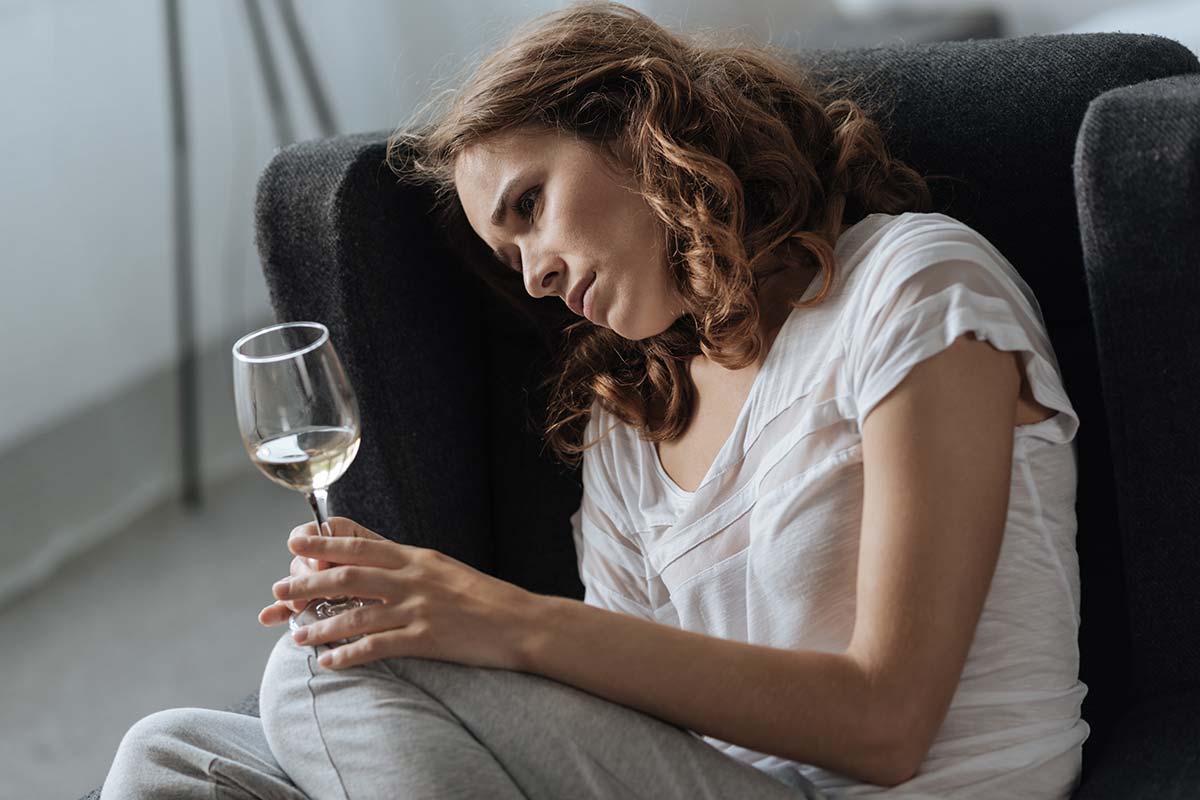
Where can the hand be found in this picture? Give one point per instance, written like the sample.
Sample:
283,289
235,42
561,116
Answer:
432,605
279,611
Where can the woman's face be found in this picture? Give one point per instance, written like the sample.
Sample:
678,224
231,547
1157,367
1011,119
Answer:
554,209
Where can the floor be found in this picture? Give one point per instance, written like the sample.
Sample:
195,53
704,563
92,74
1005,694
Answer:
162,615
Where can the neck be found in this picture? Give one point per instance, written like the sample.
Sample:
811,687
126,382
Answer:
774,293
777,289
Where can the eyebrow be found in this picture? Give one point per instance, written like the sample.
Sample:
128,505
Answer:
502,201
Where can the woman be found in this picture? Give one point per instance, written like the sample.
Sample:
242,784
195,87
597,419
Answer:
827,528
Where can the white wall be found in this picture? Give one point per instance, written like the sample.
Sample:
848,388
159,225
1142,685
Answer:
1021,17
85,164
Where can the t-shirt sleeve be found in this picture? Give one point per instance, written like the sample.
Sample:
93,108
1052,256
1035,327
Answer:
610,561
933,281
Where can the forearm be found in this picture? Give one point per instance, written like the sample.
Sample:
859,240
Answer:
811,707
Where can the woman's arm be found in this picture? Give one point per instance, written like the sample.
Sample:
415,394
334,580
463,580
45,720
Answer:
807,706
937,456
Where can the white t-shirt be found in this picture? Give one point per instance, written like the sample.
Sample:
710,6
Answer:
765,550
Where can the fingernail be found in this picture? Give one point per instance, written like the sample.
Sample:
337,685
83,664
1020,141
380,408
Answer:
281,585
300,634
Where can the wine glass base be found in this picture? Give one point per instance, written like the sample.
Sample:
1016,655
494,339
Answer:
324,609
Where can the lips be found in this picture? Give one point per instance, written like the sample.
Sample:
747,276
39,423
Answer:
589,306
575,299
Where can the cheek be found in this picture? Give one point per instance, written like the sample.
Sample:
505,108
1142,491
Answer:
640,238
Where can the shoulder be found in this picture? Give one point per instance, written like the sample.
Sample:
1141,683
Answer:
931,280
611,466
607,441
603,427
909,233
920,254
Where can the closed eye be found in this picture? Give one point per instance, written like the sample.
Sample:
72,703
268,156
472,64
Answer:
525,207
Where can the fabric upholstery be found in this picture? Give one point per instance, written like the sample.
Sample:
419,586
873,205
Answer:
1137,171
445,461
1154,753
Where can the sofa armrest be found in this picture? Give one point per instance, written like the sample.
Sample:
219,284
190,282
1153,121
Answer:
1137,176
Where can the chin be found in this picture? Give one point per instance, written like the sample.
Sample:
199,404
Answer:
646,331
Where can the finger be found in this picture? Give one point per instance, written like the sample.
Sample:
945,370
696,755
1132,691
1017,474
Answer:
345,580
274,614
299,567
372,647
365,552
302,566
346,527
352,622
308,529
337,526
279,611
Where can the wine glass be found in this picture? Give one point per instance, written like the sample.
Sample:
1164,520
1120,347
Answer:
298,417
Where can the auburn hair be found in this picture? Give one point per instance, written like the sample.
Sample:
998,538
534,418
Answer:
749,165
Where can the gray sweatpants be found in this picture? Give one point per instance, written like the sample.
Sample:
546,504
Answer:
420,728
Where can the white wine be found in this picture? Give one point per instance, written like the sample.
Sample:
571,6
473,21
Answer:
307,458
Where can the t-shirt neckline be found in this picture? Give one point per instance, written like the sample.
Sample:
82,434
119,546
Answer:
765,372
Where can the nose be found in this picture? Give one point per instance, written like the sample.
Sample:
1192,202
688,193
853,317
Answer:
545,274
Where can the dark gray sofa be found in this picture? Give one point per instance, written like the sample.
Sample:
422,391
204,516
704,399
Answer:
1078,156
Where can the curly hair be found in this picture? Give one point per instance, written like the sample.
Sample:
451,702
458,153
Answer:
748,165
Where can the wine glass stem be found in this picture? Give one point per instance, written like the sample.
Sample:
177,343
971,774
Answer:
318,499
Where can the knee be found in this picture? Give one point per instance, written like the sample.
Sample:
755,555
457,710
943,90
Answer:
161,731
284,678
152,744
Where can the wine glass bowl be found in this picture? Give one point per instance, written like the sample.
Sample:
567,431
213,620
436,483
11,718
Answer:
299,421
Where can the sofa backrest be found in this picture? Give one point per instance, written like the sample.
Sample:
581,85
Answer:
440,367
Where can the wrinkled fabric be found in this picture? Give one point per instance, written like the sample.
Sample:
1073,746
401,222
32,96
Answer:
425,728
765,550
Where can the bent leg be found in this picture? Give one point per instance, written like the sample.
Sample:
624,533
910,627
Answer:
427,728
196,753
359,733
557,740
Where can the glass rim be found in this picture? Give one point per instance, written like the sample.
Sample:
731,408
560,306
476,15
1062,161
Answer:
324,337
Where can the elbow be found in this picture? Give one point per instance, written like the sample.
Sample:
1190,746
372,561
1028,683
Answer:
888,764
892,763
898,745
901,725
896,770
